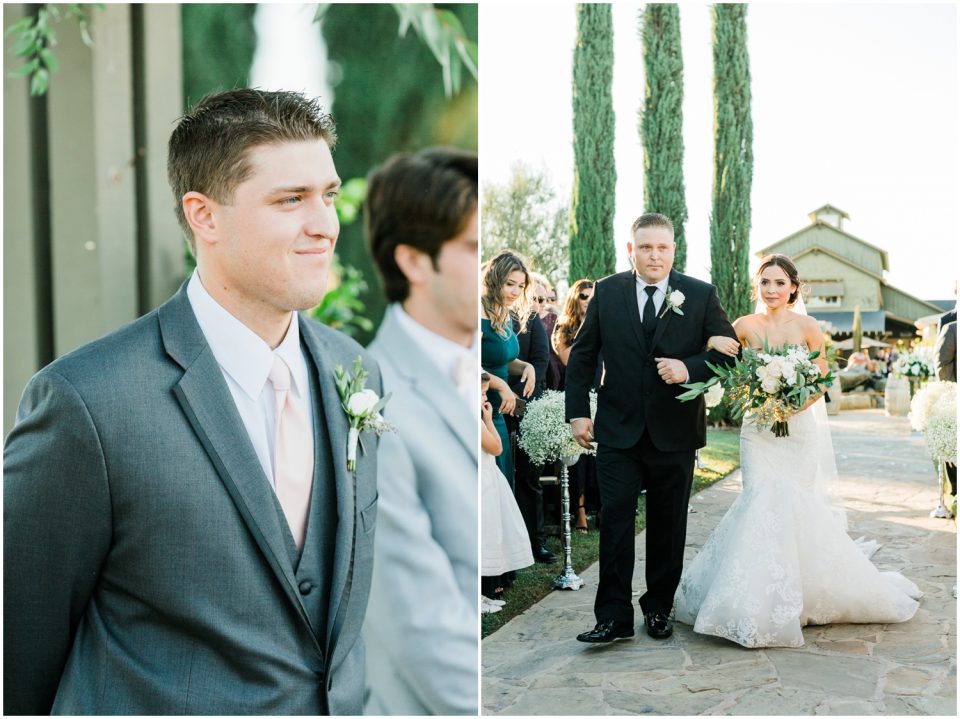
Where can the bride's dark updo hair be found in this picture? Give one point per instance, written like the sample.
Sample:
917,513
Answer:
785,264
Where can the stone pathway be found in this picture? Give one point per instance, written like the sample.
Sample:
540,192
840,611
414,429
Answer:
533,665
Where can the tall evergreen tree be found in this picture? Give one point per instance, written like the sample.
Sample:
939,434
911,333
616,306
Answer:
661,120
592,250
733,159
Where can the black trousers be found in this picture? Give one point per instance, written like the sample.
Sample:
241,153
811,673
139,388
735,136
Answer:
667,477
526,488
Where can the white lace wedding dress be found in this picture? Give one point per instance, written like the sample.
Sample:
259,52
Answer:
780,558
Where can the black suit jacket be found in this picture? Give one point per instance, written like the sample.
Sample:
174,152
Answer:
632,396
535,349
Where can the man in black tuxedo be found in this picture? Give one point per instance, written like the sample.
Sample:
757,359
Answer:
652,325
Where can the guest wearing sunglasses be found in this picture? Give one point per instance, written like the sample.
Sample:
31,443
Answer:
544,303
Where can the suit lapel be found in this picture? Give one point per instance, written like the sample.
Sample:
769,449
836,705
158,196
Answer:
417,369
206,401
632,304
347,509
674,283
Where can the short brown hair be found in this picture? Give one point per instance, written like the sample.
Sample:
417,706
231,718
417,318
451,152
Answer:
208,150
422,200
651,219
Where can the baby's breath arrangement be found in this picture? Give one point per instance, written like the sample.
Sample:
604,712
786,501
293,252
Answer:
544,434
923,402
940,430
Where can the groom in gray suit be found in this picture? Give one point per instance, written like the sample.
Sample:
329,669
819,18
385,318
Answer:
181,533
421,627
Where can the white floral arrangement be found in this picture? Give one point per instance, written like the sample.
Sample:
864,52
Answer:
914,365
940,425
544,432
923,402
713,396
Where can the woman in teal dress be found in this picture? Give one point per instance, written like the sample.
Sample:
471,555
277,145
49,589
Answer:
504,290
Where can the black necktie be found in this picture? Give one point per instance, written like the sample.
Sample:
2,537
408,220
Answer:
649,317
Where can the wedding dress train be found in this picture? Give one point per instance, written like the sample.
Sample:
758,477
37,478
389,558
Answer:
781,558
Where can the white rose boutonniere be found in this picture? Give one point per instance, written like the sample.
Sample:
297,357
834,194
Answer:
362,407
673,302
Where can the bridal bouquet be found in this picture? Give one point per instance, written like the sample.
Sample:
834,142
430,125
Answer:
772,384
544,433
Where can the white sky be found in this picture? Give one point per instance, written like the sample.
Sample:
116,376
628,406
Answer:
854,105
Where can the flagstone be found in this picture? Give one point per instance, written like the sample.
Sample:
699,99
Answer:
533,665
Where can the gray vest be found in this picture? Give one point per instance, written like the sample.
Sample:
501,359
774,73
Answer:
313,566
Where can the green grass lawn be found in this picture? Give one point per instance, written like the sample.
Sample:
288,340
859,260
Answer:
720,457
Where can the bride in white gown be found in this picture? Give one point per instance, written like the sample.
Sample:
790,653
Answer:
781,558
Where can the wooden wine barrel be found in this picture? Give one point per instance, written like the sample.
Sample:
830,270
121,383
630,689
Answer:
896,397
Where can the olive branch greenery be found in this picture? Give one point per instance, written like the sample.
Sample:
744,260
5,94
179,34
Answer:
443,34
35,38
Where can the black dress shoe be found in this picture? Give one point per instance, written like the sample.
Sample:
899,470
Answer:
658,626
544,555
607,631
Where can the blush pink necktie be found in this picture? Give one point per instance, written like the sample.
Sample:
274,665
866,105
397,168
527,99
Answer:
293,453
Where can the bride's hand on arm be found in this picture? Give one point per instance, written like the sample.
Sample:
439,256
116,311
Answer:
724,345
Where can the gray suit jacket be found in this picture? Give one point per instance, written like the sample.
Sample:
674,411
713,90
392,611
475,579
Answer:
421,625
146,561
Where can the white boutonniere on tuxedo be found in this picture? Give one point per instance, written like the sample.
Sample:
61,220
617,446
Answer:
673,302
362,407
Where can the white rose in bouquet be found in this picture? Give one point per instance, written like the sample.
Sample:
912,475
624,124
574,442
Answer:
713,395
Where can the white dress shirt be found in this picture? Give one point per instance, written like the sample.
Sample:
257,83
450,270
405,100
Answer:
658,297
245,360
448,356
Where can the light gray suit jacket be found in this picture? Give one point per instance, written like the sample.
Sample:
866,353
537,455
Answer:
146,561
421,627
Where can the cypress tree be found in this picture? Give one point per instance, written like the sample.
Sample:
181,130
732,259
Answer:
661,120
592,250
732,161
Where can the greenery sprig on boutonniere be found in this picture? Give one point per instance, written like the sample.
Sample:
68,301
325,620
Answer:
362,407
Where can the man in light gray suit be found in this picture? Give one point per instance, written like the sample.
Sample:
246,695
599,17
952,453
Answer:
421,626
181,533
